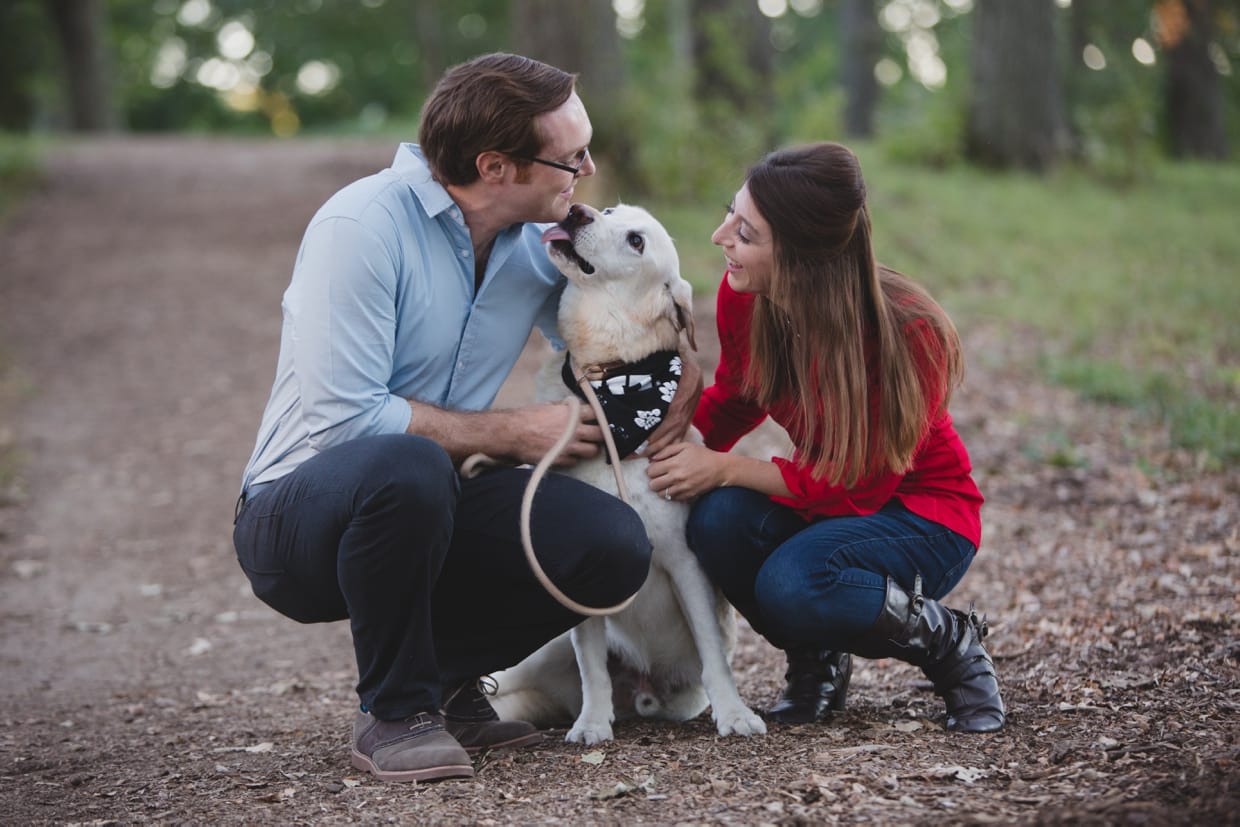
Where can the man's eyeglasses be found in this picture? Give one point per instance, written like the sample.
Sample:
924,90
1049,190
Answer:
581,158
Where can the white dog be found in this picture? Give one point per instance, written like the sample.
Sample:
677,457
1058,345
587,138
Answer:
669,650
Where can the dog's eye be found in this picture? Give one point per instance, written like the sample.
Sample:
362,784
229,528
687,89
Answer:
609,211
637,242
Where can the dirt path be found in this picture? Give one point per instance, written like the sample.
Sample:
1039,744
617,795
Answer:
141,681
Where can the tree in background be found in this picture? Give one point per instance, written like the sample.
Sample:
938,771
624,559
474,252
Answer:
81,28
582,38
1016,114
861,42
733,66
23,66
1194,91
683,92
732,85
429,22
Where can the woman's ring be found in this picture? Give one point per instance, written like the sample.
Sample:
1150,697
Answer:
667,494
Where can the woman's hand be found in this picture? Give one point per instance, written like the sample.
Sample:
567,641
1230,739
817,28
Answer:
685,470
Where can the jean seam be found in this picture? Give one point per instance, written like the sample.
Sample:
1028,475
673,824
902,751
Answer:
762,531
930,539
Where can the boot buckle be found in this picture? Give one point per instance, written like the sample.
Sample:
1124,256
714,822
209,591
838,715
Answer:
979,624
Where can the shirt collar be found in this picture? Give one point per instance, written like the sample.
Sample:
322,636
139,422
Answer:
410,165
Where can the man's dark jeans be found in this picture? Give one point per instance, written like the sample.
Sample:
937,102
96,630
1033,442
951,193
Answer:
428,568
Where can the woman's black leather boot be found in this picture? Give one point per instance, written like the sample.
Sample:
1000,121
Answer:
947,645
817,682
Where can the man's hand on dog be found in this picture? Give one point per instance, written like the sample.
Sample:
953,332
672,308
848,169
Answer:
544,425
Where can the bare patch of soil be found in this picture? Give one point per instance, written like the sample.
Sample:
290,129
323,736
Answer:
141,681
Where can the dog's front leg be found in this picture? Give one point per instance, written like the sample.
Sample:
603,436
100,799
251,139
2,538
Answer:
697,599
593,725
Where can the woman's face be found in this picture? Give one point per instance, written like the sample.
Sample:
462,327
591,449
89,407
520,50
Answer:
746,240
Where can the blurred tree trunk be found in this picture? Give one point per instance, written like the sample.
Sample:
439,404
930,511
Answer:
581,37
861,45
428,28
22,30
81,28
1194,90
1016,116
733,66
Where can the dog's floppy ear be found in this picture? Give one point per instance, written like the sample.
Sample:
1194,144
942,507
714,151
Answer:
682,298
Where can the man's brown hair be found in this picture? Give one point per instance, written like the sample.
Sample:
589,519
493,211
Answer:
488,104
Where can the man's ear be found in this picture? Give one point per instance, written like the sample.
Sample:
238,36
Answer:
492,166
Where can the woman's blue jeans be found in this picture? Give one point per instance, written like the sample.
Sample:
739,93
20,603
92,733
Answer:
821,583
429,568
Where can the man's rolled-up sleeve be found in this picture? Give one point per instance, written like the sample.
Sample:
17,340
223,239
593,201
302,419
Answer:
342,311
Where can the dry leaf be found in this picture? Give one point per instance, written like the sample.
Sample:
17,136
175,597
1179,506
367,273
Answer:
26,569
625,787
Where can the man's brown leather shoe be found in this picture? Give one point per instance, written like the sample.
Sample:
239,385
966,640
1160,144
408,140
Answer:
415,749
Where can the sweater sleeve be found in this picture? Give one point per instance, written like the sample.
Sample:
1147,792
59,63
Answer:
723,414
815,496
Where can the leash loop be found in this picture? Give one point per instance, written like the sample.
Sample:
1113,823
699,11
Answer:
540,470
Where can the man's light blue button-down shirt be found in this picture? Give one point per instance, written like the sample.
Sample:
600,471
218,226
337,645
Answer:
381,308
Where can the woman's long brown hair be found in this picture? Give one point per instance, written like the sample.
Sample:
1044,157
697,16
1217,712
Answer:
828,297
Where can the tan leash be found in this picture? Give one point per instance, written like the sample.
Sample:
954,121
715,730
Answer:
540,470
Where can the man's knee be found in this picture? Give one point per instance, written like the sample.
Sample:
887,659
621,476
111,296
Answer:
626,546
409,472
614,554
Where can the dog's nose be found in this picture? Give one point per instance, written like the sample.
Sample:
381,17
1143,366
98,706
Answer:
578,216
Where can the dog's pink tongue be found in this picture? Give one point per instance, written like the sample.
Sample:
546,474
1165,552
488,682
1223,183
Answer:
555,233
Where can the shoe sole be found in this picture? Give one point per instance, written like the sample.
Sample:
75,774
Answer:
515,743
794,720
361,762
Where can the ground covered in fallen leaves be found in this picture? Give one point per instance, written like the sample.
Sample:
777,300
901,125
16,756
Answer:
142,682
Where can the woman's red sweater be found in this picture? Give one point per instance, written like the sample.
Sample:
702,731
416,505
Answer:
939,487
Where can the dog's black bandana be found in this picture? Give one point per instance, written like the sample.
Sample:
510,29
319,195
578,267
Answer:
634,396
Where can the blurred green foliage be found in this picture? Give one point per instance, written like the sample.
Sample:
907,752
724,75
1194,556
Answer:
1121,263
20,164
378,58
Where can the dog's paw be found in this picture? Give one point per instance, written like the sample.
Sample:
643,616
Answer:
589,732
739,721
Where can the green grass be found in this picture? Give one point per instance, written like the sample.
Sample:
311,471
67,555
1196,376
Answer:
20,168
1128,295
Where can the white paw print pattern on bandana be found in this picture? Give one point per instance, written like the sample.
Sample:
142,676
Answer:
647,419
634,397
